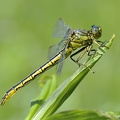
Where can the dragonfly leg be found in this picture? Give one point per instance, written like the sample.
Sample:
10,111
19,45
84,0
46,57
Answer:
101,45
77,61
91,51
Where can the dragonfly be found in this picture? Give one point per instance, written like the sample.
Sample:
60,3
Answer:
72,40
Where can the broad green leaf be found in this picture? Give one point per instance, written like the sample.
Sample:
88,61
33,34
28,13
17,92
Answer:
81,115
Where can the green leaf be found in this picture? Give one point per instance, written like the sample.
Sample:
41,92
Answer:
68,86
114,114
48,84
81,115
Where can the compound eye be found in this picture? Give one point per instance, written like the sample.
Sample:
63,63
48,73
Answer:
96,31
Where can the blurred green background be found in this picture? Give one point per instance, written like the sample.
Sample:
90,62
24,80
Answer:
26,28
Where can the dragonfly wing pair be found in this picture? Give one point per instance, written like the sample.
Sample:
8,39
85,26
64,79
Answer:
63,31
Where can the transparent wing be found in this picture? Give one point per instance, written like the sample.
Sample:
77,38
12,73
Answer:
60,63
64,43
61,31
52,51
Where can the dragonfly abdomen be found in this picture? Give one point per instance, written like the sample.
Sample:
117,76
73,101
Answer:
53,61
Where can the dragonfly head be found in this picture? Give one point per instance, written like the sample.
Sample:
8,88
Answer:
96,31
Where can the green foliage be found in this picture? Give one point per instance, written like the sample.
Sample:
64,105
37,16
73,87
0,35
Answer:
81,115
48,85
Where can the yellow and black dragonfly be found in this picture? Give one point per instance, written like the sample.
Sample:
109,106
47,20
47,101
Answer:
80,39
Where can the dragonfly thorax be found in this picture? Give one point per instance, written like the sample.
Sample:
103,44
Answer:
80,38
